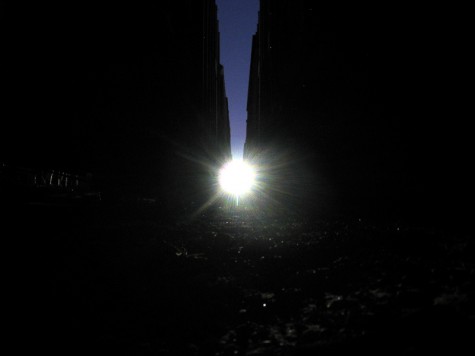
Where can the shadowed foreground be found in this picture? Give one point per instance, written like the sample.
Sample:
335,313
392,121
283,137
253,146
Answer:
234,282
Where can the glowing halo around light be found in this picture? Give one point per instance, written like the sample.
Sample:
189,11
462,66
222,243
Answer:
237,178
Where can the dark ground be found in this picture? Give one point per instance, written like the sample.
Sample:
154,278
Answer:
134,281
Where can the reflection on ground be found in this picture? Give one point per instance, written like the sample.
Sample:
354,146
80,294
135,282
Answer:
240,282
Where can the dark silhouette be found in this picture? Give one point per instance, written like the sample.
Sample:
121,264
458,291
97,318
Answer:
133,94
349,109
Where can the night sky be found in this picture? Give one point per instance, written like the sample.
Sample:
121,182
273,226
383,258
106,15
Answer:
237,24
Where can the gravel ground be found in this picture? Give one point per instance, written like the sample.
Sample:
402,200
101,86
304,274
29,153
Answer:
235,282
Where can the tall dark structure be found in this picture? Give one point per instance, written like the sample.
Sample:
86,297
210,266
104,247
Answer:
133,94
345,110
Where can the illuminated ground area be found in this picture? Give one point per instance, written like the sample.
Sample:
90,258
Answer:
236,282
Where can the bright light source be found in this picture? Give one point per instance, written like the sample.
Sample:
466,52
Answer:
237,178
